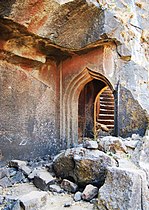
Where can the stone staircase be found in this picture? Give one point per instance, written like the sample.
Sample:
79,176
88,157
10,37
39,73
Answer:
106,115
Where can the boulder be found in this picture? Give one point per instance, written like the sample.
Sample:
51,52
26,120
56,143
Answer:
124,189
69,186
89,192
82,165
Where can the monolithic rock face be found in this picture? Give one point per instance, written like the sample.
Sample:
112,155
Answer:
133,118
24,104
124,189
82,165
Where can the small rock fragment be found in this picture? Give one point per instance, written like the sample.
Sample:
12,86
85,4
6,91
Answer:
19,177
89,192
112,144
69,186
1,199
49,166
5,182
131,144
25,169
43,179
67,204
90,144
17,163
33,200
77,196
4,172
135,137
55,188
16,205
33,174
12,171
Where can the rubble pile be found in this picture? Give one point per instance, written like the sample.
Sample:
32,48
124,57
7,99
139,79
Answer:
108,172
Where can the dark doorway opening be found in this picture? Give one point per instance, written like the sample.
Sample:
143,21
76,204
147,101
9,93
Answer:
91,108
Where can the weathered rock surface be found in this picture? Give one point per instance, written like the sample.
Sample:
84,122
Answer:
82,165
124,189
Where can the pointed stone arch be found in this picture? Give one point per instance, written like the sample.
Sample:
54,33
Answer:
69,126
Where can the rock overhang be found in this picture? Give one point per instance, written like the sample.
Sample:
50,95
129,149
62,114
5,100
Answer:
16,39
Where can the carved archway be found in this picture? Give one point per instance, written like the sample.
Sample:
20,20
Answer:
69,128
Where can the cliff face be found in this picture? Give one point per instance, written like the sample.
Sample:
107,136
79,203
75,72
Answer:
39,40
76,24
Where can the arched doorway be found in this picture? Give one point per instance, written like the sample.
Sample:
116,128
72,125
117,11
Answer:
78,105
95,110
86,108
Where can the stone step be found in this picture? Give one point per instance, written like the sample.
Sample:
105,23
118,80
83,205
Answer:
107,95
106,117
106,99
110,126
106,122
106,111
107,106
108,91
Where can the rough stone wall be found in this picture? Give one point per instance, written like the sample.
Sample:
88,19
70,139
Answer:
28,114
